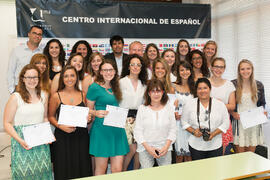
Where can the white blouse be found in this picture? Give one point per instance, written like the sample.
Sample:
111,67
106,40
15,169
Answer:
219,118
131,99
155,127
223,92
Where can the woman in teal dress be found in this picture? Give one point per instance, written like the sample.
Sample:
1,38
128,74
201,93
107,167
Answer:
106,142
27,106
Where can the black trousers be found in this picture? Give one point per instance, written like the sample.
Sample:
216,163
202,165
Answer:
197,155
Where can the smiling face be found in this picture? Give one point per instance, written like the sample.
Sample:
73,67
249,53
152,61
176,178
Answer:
82,49
152,53
209,50
30,79
41,65
135,66
35,35
54,49
136,48
218,68
95,63
184,72
77,62
245,70
70,78
169,56
203,91
197,61
117,46
160,70
183,48
107,71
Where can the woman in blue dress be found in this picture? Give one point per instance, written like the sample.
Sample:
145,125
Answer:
106,142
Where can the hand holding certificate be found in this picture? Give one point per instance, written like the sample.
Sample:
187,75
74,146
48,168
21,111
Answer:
253,117
116,117
38,134
73,115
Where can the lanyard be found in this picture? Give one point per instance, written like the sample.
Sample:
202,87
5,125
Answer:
209,112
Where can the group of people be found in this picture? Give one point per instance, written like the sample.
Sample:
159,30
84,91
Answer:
177,101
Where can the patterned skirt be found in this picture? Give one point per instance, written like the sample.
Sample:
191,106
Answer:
30,164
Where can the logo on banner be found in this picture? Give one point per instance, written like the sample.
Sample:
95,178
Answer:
38,14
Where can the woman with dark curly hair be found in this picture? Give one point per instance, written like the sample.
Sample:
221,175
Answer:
199,64
56,56
85,49
132,85
106,142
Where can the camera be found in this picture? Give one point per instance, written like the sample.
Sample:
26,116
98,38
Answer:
205,133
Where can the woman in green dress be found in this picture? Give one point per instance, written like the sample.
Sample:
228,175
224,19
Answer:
106,142
27,106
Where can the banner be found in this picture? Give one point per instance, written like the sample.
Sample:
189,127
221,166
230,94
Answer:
102,19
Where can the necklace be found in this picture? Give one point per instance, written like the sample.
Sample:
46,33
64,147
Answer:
109,91
57,68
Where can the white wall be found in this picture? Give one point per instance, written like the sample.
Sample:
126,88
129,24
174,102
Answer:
7,43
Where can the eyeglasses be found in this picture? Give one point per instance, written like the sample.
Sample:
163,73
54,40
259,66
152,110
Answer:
31,78
134,64
107,70
156,91
219,67
36,34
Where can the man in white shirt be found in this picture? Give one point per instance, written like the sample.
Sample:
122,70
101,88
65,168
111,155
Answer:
117,44
21,56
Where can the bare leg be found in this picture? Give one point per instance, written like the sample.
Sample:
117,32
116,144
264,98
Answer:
136,164
117,163
179,159
187,158
239,149
128,157
101,164
250,148
93,163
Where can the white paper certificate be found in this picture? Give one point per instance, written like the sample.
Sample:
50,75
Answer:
73,115
116,117
38,134
253,117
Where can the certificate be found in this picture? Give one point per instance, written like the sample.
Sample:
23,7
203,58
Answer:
116,117
253,117
38,134
73,115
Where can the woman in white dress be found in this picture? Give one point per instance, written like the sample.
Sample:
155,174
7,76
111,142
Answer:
223,90
184,90
132,84
249,95
155,128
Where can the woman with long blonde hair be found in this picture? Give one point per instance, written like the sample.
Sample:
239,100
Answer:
249,95
161,71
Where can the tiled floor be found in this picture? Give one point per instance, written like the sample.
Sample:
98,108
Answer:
5,161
